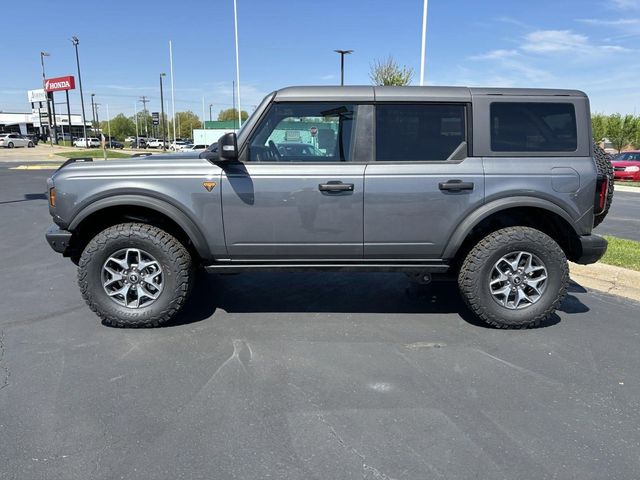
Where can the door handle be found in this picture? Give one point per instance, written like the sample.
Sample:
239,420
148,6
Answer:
335,186
455,186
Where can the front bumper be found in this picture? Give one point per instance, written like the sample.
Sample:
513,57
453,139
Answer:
593,247
58,239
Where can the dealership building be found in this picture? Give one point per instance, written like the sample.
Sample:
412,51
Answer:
43,109
33,123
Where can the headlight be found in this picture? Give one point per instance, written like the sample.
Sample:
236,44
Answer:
633,168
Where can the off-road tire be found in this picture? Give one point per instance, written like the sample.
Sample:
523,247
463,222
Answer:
173,257
474,277
604,167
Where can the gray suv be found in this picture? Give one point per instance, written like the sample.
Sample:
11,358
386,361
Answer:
496,188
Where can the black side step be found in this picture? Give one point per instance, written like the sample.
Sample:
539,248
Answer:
335,267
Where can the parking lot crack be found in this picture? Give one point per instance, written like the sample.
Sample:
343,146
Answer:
368,471
3,364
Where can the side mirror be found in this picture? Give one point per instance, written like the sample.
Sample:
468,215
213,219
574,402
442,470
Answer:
228,148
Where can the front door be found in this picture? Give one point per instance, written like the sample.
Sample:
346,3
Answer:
298,194
422,184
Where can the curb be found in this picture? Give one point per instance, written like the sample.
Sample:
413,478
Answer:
608,279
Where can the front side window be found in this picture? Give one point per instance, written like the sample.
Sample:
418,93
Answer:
419,132
305,132
533,127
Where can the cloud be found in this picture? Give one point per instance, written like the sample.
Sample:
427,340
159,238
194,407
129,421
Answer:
564,41
495,55
328,77
626,4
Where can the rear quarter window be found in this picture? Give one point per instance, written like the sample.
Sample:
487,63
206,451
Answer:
533,127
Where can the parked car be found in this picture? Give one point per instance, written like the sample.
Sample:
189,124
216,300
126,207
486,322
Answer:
91,142
34,137
113,143
140,143
155,143
626,166
12,140
198,147
299,150
65,137
429,199
178,145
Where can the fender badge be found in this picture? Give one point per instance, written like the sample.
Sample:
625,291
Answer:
209,185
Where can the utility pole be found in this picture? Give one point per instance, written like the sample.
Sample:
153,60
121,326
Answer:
93,118
144,100
75,42
342,54
163,124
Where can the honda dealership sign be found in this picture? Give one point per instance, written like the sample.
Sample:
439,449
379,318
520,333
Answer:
60,84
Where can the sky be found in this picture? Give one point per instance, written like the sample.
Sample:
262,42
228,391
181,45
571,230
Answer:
590,45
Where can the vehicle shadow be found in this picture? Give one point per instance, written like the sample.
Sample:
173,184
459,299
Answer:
322,292
27,198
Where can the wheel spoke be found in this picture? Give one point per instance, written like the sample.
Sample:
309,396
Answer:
520,296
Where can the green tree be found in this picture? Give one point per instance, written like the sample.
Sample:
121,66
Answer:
388,72
232,114
186,122
622,131
598,126
121,126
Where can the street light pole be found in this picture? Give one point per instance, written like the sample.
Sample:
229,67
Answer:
42,55
342,54
164,136
75,42
210,105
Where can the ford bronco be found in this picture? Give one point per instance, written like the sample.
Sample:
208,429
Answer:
496,188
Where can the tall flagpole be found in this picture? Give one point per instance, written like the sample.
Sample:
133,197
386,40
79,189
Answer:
173,98
203,112
235,21
424,40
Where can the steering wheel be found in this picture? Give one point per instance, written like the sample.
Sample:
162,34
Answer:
274,150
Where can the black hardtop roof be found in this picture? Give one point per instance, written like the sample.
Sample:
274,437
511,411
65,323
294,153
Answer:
411,93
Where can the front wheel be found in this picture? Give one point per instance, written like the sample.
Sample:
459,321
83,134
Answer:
135,275
515,277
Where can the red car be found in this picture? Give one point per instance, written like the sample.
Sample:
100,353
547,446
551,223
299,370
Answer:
626,166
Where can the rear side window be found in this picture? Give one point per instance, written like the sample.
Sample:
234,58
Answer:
418,132
533,127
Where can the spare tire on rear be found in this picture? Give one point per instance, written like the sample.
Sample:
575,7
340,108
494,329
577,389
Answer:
604,167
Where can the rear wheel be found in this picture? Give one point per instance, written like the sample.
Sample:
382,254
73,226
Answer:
10,145
135,275
515,277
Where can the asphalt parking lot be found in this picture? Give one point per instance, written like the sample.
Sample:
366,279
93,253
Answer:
623,219
303,376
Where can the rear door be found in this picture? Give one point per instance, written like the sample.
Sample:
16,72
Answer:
299,194
423,182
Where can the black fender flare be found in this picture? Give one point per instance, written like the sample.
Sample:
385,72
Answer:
174,213
474,218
